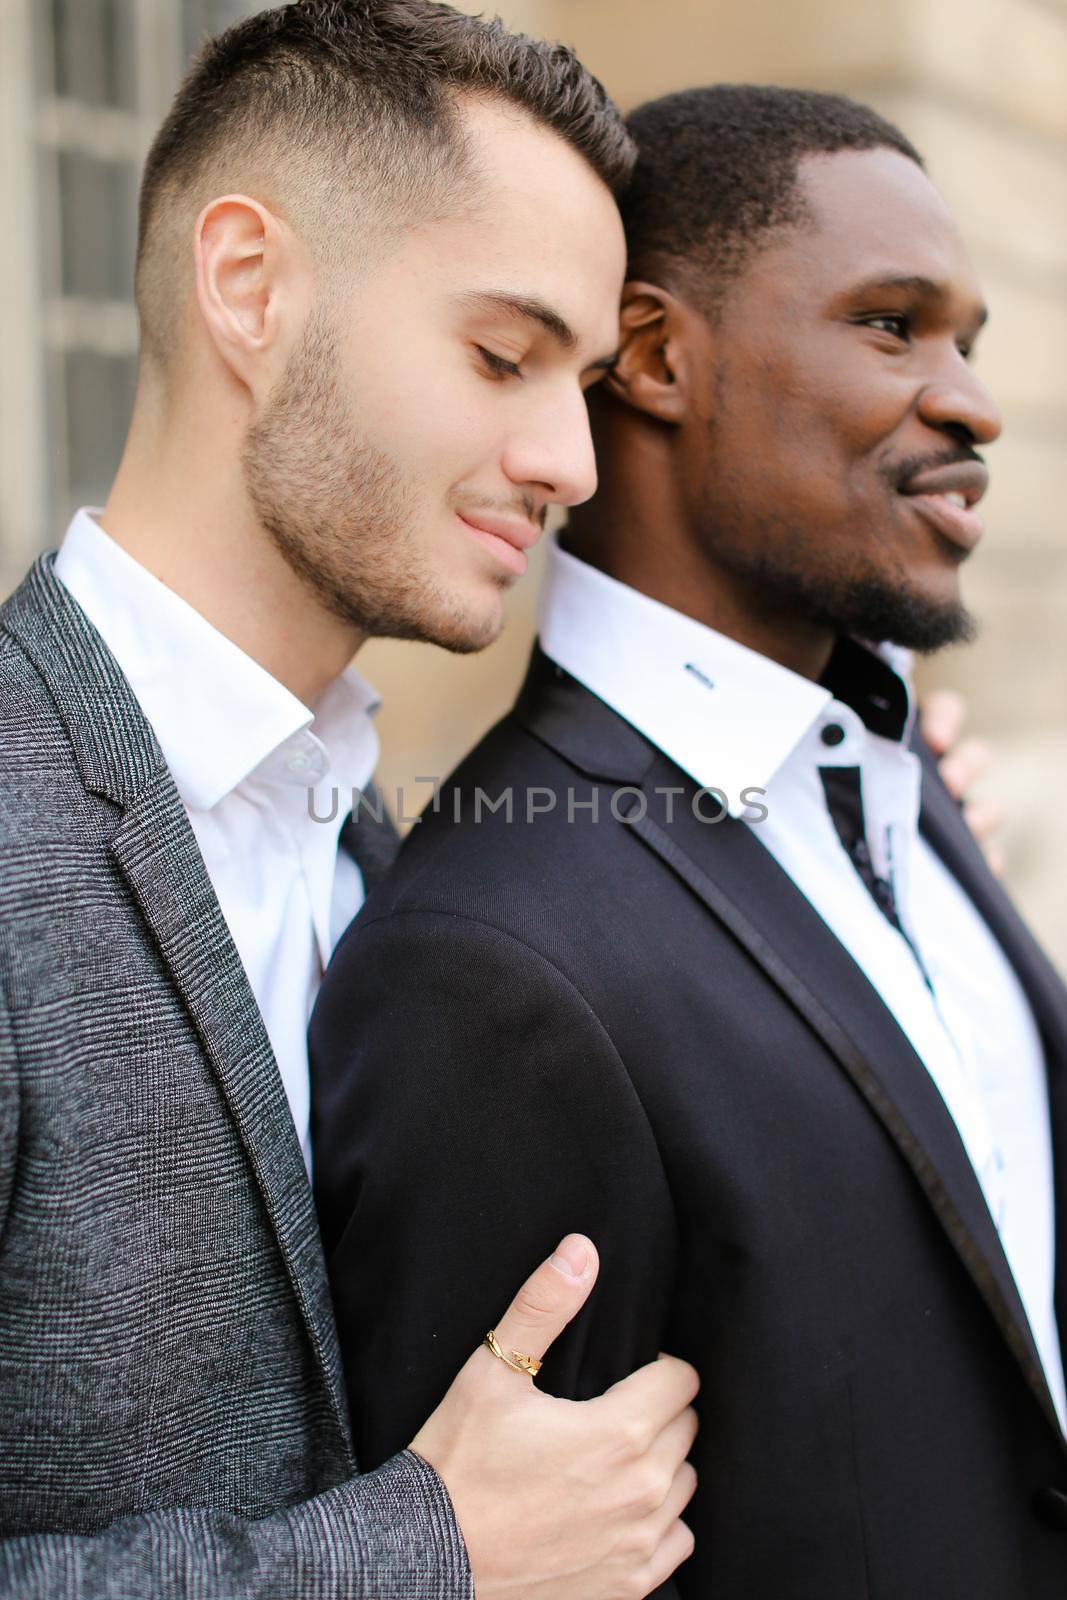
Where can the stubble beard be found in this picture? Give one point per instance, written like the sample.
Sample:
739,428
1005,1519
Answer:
792,575
340,512
789,572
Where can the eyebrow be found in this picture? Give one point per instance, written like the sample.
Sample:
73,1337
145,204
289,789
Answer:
527,308
915,283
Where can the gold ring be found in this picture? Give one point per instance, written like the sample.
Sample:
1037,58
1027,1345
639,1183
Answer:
518,1362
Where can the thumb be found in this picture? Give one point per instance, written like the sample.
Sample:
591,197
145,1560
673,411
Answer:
549,1298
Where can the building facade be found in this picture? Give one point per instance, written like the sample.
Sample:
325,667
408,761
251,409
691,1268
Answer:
83,86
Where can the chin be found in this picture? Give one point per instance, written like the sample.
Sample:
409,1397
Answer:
465,627
936,629
462,620
918,619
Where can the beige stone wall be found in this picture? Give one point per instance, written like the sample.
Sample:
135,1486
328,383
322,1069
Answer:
981,85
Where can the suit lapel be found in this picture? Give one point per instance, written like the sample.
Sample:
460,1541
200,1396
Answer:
155,850
746,890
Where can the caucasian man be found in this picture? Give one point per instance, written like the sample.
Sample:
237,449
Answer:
335,271
696,947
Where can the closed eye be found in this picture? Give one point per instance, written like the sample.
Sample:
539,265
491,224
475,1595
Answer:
498,367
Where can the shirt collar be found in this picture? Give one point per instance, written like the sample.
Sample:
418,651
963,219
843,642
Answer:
218,715
867,678
725,714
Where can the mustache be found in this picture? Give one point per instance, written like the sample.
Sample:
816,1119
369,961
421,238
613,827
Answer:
898,473
524,506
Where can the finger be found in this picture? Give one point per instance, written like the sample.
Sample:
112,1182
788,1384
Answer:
682,1490
549,1298
964,765
996,860
672,1446
650,1398
941,715
676,1546
984,818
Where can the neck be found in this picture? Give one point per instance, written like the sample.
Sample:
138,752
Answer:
179,506
638,531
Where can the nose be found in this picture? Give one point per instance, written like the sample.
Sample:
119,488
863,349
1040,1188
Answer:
956,401
551,451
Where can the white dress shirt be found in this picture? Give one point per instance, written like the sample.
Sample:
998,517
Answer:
735,720
244,754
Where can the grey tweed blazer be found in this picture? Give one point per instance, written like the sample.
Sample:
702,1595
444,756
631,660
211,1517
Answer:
172,1414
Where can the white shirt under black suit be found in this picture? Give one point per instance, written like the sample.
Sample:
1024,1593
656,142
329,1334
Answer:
736,721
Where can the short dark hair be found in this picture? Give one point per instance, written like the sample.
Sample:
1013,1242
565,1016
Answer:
717,172
368,87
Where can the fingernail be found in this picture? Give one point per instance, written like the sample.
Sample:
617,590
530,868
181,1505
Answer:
571,1257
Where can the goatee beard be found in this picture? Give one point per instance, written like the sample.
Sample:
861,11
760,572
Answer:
872,609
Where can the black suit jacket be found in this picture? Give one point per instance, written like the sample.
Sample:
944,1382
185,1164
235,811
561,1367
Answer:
641,1029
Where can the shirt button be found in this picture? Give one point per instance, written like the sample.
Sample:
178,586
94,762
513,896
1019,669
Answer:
833,733
296,764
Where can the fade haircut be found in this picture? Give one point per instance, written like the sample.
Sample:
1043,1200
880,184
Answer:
716,177
345,110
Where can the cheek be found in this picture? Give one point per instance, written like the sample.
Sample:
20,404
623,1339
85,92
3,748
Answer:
437,421
825,399
774,417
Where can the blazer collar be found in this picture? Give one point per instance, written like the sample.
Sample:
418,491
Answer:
742,885
114,746
155,850
721,711
218,716
565,715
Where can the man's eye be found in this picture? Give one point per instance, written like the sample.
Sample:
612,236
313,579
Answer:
894,322
497,365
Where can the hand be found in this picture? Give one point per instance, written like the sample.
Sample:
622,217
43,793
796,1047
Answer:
563,1499
963,762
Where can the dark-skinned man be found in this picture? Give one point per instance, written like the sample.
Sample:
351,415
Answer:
697,949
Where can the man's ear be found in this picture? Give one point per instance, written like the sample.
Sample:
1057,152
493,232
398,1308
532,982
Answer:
250,276
652,370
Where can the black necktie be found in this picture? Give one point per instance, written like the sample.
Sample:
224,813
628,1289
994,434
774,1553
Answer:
369,836
844,799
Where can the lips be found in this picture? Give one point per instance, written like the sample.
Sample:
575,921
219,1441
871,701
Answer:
508,538
945,498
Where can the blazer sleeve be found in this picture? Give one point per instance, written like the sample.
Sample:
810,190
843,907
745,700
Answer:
392,1531
389,1532
469,1109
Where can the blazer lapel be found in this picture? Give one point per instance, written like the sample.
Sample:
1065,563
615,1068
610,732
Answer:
743,886
156,851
